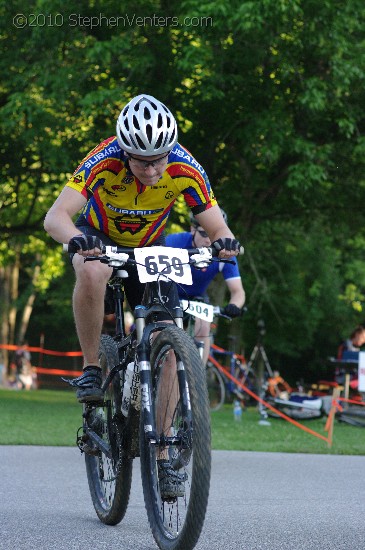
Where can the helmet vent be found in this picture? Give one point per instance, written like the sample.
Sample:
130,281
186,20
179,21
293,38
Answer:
159,141
147,114
124,138
135,122
141,145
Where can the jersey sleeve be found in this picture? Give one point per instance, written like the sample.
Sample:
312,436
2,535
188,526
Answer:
191,179
105,156
231,271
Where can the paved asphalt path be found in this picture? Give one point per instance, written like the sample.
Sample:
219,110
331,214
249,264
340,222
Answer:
258,501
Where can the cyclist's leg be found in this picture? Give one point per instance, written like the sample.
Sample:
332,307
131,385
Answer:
88,308
88,296
202,332
88,305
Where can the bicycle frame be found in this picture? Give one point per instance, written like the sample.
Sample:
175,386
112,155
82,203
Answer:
143,333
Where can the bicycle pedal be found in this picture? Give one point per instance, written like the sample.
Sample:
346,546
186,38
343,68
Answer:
83,443
92,451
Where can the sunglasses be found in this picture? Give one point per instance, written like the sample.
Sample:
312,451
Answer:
202,233
144,164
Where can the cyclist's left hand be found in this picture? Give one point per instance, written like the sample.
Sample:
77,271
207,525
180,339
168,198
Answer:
231,310
227,247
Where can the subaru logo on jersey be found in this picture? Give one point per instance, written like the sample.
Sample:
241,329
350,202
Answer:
133,212
108,151
169,195
188,158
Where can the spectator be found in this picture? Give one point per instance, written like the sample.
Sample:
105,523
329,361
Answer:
353,343
24,370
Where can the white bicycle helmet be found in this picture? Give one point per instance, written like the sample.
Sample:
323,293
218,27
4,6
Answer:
146,127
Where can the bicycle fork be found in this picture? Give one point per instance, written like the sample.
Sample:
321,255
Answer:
147,404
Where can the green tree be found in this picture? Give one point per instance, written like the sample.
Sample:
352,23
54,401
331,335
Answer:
269,97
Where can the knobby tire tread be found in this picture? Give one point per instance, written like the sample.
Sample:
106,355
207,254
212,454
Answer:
113,514
187,538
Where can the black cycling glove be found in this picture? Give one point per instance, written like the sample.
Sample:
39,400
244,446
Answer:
232,310
84,242
227,244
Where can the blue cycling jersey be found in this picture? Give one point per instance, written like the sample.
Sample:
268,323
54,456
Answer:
201,278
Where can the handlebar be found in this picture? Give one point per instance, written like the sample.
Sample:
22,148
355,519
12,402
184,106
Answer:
200,257
107,250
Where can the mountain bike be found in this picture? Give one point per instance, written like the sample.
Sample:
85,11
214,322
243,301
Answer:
161,415
195,309
220,387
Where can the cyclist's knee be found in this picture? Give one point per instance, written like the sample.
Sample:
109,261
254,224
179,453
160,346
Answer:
92,273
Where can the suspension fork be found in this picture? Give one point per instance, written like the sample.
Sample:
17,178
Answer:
143,355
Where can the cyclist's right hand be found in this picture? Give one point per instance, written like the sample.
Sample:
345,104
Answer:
231,310
85,243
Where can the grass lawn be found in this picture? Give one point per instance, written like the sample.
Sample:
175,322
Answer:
281,436
47,417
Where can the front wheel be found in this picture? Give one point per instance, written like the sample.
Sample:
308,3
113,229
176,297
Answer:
176,469
109,471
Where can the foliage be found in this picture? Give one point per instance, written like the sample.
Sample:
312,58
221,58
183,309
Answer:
269,97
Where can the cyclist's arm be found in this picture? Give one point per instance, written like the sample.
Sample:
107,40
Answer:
212,221
58,221
237,293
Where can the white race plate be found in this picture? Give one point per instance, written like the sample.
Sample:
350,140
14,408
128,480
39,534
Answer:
198,309
158,261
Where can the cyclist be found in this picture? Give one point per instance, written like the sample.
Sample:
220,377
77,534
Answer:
198,237
124,190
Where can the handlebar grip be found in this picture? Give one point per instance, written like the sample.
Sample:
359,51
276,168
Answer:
215,252
69,249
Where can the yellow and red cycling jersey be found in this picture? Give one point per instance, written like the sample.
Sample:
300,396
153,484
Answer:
130,213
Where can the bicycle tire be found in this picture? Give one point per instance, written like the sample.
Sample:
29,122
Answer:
109,479
176,523
216,387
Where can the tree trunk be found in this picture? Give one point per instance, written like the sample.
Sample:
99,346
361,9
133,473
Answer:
27,311
4,312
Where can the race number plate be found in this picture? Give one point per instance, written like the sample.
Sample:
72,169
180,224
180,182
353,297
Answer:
198,309
156,261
